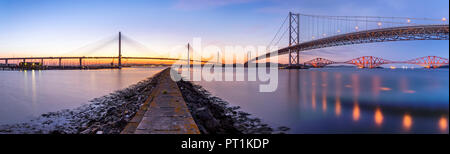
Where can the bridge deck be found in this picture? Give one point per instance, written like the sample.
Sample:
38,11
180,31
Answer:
164,112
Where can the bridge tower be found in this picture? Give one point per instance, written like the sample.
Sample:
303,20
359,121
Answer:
188,55
120,50
294,38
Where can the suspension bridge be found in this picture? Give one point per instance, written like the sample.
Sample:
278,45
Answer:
308,32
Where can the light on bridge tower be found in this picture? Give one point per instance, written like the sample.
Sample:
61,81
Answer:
294,38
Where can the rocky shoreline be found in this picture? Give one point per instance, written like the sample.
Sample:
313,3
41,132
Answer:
111,113
214,115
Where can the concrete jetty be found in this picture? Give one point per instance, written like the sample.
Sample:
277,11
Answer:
164,111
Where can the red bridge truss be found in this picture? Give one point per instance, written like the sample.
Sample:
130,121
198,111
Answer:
429,61
319,62
368,62
373,62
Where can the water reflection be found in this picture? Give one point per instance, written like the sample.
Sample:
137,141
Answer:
33,93
324,91
355,86
26,94
304,90
338,80
443,123
356,112
385,89
378,117
361,100
25,82
313,89
404,86
294,87
376,86
407,122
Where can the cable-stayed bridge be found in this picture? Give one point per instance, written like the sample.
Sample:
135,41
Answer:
307,32
92,61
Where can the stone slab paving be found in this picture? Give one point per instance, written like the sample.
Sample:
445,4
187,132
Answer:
164,112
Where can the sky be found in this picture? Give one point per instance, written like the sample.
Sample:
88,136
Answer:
68,27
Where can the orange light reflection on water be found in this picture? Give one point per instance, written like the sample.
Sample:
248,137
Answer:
324,91
443,123
338,107
378,117
385,89
356,112
313,89
407,121
355,86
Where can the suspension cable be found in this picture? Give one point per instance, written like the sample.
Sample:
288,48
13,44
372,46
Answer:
279,29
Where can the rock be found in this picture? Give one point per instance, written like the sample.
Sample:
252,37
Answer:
201,109
283,128
213,115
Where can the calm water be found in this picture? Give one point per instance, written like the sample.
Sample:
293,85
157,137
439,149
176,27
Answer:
347,100
27,94
334,100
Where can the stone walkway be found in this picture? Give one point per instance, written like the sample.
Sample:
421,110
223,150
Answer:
164,112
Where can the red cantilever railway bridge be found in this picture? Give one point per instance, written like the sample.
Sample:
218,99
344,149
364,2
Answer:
372,62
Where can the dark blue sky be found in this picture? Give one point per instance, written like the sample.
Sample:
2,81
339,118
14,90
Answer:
54,27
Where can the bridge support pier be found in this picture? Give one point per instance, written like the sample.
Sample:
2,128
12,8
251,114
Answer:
6,61
294,58
81,62
120,50
59,62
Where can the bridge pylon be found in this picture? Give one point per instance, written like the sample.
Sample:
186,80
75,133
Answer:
294,38
120,50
